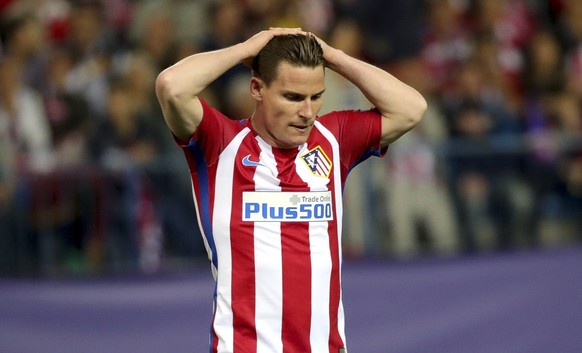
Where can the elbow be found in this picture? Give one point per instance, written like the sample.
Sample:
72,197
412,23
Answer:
419,108
416,108
170,87
398,123
170,90
164,86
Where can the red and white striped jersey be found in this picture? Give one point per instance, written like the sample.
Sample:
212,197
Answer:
271,222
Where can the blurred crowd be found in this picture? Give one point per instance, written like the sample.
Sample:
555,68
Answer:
90,177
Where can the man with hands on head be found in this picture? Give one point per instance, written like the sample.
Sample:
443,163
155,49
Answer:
268,188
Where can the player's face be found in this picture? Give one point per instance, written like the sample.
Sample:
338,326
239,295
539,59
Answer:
288,106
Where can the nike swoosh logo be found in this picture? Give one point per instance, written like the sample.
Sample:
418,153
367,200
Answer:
247,162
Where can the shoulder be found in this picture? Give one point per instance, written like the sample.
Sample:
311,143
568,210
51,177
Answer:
213,119
350,113
215,127
348,118
356,131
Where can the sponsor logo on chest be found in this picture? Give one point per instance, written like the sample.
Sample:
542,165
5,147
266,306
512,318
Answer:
277,206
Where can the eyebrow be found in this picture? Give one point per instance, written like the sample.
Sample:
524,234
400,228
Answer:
302,95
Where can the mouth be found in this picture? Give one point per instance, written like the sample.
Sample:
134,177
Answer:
301,128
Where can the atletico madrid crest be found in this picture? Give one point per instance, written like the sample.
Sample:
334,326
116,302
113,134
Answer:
318,162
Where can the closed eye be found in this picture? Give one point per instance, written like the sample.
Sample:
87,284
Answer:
294,97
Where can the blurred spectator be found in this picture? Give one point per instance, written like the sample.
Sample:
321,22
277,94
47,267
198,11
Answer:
498,79
570,26
420,208
471,179
555,135
445,44
571,184
21,108
124,139
24,119
25,151
569,23
543,79
227,29
138,74
570,33
23,40
167,181
486,187
124,145
153,34
567,197
68,113
277,13
511,24
64,201
392,29
236,100
316,15
164,28
8,185
89,43
543,70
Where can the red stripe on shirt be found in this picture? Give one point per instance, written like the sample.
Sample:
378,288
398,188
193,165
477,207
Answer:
335,340
243,263
296,259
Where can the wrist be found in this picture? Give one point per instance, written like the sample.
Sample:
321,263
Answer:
242,53
332,57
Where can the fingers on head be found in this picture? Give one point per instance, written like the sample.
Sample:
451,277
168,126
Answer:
281,30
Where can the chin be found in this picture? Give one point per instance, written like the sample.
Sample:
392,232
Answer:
293,143
299,142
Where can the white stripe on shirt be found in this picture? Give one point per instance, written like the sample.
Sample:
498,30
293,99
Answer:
223,323
269,262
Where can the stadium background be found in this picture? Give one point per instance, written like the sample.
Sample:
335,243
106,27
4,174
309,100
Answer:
92,187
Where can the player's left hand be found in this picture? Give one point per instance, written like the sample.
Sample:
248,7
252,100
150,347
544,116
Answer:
328,50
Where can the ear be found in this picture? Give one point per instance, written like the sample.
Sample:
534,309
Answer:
256,87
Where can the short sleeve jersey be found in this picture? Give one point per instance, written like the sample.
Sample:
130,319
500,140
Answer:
271,222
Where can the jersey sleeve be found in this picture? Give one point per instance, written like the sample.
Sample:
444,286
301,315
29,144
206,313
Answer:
214,131
358,133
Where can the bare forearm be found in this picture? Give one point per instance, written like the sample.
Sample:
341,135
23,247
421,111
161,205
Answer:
178,86
193,74
401,105
388,94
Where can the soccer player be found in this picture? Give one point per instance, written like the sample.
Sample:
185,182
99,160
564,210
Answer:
268,189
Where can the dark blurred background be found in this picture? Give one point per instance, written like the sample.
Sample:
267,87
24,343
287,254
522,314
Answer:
92,183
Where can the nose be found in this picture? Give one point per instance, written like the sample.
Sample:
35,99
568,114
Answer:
306,111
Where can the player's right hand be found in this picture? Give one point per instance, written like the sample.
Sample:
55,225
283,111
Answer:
254,44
